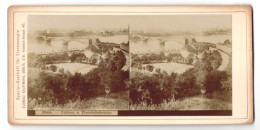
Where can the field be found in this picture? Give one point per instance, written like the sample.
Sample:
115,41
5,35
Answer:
171,67
113,101
75,67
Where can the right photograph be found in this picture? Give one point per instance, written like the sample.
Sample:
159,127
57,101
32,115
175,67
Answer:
180,62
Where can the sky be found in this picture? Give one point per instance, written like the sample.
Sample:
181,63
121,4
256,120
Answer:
188,23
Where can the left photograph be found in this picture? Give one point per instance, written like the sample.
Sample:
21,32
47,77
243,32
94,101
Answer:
78,62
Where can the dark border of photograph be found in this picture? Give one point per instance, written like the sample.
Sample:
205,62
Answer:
154,113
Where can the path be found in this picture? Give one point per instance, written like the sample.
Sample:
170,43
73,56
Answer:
225,61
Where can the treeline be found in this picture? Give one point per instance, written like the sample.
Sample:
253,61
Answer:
162,87
149,58
213,58
39,61
202,46
62,87
158,58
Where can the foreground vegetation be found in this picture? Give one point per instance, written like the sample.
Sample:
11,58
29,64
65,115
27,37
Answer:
107,86
172,91
112,101
63,88
190,103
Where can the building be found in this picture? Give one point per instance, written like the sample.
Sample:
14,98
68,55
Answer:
91,57
190,40
125,46
115,49
188,58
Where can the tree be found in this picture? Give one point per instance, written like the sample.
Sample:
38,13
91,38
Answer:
93,86
206,65
226,85
93,61
53,68
56,84
119,60
107,56
158,70
144,59
117,80
77,57
152,57
216,59
36,60
149,68
169,57
190,58
111,66
151,90
186,85
214,79
61,70
76,85
227,41
161,56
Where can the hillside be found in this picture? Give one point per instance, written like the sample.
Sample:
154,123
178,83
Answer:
191,103
113,101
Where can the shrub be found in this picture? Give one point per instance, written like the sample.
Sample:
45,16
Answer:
158,70
53,68
62,87
151,89
150,68
214,79
186,85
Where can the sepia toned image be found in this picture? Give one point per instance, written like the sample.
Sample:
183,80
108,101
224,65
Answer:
82,62
130,65
77,63
181,62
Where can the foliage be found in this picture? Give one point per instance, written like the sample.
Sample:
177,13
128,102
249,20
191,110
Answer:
213,82
113,101
147,89
62,87
150,68
190,58
146,59
40,60
53,68
186,85
158,70
77,57
151,89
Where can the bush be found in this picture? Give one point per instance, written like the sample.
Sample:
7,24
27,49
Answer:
53,68
214,79
151,89
63,87
186,85
150,68
158,70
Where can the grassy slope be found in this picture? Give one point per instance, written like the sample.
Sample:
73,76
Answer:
113,101
191,103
